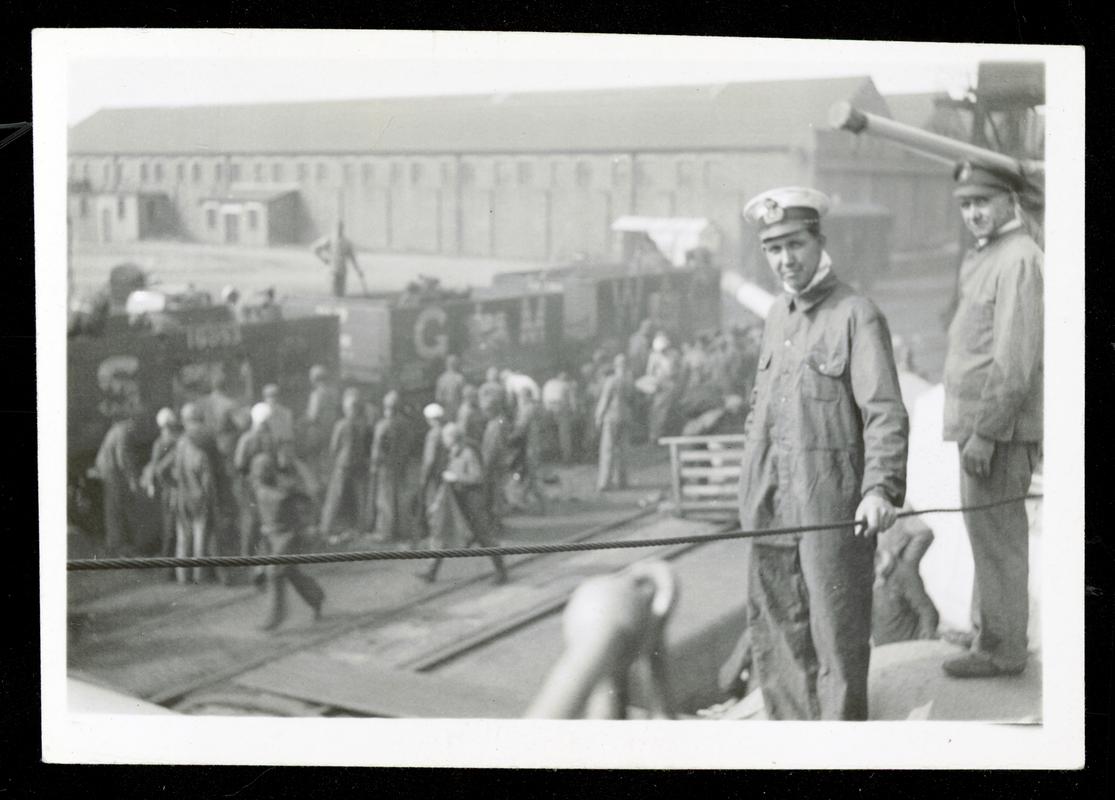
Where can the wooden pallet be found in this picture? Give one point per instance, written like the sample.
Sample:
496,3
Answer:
704,474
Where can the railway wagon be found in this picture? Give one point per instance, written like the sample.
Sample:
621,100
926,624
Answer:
125,371
536,322
387,344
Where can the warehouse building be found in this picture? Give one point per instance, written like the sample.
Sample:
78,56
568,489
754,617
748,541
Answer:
539,176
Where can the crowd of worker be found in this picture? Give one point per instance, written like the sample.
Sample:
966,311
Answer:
349,466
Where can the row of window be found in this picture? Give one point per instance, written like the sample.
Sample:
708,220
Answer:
523,173
83,207
211,219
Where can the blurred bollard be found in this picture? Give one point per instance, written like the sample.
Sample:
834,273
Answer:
613,627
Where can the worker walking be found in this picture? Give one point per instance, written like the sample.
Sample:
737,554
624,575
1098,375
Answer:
282,512
458,514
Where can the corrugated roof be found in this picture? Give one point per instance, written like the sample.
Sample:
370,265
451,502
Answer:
734,115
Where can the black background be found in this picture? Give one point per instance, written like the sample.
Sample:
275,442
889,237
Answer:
1002,21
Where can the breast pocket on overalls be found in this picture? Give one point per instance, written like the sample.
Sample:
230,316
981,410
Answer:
823,377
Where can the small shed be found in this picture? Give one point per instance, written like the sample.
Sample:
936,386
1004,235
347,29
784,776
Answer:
252,215
120,216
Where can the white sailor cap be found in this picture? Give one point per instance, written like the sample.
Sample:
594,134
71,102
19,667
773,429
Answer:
433,411
778,212
260,413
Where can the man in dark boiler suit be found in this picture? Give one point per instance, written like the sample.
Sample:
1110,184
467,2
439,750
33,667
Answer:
826,442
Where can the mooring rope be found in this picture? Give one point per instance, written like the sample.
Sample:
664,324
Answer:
82,564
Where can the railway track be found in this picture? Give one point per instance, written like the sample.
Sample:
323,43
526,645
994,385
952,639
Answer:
393,665
384,661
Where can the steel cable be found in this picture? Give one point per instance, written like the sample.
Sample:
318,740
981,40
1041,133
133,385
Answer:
85,564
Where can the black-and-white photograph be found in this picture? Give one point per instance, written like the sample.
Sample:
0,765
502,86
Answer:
415,383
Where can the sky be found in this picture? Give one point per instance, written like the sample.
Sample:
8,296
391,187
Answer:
166,68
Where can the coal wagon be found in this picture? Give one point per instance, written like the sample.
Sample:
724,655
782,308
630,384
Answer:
536,322
126,370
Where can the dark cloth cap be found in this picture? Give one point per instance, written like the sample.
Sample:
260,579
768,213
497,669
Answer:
979,180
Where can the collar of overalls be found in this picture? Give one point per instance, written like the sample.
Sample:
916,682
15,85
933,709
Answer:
812,295
1007,227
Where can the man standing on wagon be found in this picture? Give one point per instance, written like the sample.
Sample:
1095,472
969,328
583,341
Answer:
826,442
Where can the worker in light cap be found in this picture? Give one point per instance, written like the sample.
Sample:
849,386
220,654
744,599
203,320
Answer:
826,441
434,455
201,485
458,512
158,477
257,439
230,295
260,413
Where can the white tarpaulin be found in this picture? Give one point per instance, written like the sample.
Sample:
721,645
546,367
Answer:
144,301
674,236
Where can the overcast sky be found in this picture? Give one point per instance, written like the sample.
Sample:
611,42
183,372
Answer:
166,68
